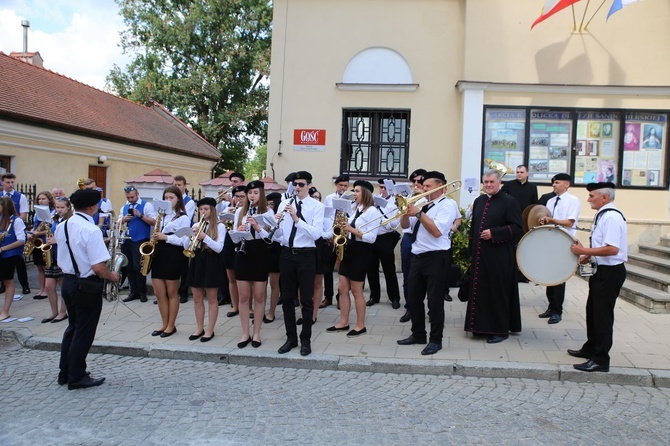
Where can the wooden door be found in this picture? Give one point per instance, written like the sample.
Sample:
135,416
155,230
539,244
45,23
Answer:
99,174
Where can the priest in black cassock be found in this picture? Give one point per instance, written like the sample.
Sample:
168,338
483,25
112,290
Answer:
493,308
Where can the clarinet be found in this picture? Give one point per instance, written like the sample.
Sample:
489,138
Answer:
241,250
271,234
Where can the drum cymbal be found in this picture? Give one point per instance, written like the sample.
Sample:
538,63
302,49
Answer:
524,217
535,214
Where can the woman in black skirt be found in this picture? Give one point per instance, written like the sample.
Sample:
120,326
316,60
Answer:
251,262
274,250
168,261
229,250
358,257
54,274
205,268
39,233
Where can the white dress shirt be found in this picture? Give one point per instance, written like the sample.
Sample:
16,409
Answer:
610,230
567,208
443,214
23,202
309,228
214,245
365,222
88,247
171,224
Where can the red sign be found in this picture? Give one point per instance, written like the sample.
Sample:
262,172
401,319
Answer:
310,140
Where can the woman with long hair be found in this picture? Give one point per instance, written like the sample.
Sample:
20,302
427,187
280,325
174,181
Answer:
168,261
12,232
53,274
358,256
205,267
251,265
39,233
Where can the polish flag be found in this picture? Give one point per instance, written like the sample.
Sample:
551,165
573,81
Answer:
551,7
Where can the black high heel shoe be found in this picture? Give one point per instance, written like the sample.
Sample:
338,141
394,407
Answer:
244,343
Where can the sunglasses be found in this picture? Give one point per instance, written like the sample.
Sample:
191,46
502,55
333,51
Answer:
417,180
297,184
129,188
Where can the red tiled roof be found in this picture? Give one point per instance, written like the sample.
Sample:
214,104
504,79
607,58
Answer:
272,185
36,95
221,180
156,176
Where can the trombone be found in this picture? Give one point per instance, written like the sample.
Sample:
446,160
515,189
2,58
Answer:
222,195
403,203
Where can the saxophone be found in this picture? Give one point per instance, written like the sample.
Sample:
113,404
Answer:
117,259
33,243
147,248
47,249
339,234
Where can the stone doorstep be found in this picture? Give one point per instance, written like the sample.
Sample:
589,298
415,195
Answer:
430,366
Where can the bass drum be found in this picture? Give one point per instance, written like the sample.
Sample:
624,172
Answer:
544,257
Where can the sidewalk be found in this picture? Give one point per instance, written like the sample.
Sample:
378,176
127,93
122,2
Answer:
640,355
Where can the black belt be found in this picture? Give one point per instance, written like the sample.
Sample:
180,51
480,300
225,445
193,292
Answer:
610,266
430,253
71,276
299,250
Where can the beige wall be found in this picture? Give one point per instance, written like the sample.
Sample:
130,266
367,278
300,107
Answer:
322,38
56,159
632,49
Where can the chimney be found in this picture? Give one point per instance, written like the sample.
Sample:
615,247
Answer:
32,58
26,25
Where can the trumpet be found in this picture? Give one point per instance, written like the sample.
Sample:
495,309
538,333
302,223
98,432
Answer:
222,195
190,251
271,234
147,248
403,203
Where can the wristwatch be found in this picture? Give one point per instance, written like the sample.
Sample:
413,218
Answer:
418,215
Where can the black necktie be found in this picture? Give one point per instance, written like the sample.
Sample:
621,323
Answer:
291,238
415,231
358,214
555,204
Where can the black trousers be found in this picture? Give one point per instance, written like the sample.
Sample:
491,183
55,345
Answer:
428,276
383,250
329,265
556,297
79,334
297,271
183,285
138,282
22,272
604,287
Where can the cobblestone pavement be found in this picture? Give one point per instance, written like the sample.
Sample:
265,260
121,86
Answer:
176,402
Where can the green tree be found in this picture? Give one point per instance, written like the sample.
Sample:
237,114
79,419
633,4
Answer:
207,61
255,166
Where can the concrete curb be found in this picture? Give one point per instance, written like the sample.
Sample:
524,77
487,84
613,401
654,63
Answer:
466,368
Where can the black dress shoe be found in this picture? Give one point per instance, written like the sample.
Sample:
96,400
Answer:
207,338
26,290
62,381
287,347
326,303
131,298
395,304
371,302
232,313
554,319
86,382
334,328
578,354
255,344
411,340
155,302
305,349
448,298
39,297
590,366
196,336
166,334
157,332
496,338
354,333
184,299
298,321
546,314
244,343
406,317
143,298
431,348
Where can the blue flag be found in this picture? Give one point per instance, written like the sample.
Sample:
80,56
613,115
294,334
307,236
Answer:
618,5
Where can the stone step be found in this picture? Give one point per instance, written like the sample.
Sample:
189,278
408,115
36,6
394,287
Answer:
647,298
652,263
653,279
665,241
656,251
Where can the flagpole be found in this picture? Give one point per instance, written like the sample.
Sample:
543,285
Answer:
574,19
584,15
594,14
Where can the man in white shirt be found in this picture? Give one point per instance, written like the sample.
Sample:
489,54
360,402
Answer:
430,262
564,208
609,249
341,187
82,242
301,226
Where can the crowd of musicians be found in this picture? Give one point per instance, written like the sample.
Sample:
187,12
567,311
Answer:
227,249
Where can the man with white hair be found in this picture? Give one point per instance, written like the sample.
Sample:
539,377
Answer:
609,249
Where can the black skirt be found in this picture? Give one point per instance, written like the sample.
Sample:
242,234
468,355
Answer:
38,257
252,267
274,252
53,272
358,257
205,269
168,261
228,252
